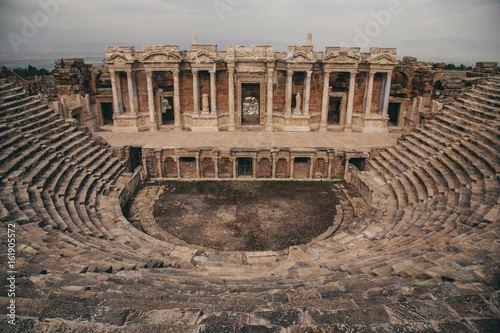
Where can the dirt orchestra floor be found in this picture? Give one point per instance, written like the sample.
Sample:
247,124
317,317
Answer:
241,216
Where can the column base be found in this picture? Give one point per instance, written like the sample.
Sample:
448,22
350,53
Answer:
231,127
323,128
348,128
153,127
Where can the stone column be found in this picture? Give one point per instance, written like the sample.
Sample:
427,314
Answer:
232,125
116,89
197,159
160,169
213,91
369,92
274,157
269,122
196,92
308,92
132,92
145,167
178,160
235,160
382,94
177,102
346,165
158,159
119,92
254,167
350,102
292,162
289,83
151,101
311,168
330,163
324,105
216,164
386,93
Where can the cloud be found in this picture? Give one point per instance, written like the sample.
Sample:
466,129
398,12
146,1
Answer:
284,22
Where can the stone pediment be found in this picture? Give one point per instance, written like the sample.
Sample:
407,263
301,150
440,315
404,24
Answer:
384,59
161,57
203,58
303,57
116,59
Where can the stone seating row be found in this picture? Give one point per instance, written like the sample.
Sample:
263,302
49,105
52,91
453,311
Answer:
50,144
9,88
407,241
461,170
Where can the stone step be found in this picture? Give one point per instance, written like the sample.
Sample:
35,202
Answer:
29,111
483,99
454,171
10,90
462,164
483,92
8,107
427,136
465,152
488,90
30,103
488,155
464,114
451,183
480,106
430,187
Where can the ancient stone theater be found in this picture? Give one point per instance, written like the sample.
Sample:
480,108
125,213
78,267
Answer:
160,192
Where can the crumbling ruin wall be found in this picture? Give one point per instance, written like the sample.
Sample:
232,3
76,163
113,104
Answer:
74,78
423,87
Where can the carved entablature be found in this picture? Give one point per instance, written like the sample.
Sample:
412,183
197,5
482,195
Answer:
120,55
160,48
161,57
342,55
258,53
300,55
209,48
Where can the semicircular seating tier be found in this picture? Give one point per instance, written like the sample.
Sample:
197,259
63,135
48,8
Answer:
421,255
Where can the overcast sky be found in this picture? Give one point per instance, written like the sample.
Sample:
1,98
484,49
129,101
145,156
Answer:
280,22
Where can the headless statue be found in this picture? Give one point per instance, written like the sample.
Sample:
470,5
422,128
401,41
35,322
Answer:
204,103
298,103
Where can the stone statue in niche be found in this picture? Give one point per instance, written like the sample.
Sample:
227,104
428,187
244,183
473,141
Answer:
165,105
204,103
298,103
